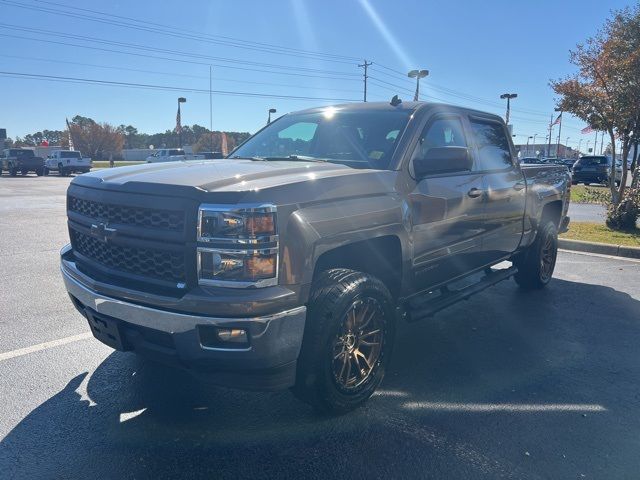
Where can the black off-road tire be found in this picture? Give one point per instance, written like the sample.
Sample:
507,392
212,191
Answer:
45,172
13,171
536,264
39,172
335,294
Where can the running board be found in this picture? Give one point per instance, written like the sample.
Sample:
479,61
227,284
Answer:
427,305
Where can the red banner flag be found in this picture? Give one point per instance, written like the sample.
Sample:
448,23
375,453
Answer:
586,130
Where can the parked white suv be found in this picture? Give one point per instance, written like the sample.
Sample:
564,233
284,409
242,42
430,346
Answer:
66,162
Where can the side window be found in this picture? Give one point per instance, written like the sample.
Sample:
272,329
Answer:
493,146
444,132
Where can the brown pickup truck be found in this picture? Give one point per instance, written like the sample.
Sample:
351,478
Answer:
289,263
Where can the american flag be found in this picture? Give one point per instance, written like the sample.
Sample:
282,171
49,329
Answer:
178,124
224,146
558,120
586,130
70,138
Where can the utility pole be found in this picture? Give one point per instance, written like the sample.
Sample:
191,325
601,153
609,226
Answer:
365,65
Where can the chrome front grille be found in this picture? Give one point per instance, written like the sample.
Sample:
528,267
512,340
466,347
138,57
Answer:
128,215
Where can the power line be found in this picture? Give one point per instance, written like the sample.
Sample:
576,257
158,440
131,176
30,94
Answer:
167,30
147,86
134,46
179,60
177,74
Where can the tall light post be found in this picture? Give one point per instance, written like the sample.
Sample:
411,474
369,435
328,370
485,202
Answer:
508,96
417,74
534,144
528,138
579,143
566,145
179,121
271,110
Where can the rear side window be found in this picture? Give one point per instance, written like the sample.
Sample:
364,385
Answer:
493,145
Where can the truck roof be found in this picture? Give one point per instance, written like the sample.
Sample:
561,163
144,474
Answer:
404,106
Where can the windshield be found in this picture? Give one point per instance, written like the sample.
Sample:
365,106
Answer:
22,153
593,161
359,139
70,155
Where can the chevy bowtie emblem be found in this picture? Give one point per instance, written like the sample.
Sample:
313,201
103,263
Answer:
102,232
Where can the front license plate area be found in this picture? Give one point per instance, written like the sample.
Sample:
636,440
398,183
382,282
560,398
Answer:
106,330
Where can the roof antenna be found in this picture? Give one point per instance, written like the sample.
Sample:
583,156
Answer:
395,101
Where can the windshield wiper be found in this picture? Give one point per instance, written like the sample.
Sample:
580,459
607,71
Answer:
301,158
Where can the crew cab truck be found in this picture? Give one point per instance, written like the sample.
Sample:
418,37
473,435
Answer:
66,162
21,160
289,263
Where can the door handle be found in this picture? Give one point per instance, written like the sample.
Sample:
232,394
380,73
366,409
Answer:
519,186
475,192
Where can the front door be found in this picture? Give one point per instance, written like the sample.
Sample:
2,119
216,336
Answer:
445,211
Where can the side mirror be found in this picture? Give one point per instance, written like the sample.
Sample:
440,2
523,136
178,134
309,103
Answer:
441,160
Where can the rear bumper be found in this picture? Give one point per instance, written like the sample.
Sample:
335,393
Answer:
591,177
268,362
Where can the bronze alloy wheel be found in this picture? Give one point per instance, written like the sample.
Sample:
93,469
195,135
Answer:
547,257
358,345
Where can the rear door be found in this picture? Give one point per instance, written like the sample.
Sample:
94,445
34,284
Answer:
503,185
444,211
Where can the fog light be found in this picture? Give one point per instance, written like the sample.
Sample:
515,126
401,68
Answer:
236,335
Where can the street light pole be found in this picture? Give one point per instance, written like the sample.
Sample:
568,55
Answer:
579,143
528,138
566,145
417,74
508,96
271,110
534,143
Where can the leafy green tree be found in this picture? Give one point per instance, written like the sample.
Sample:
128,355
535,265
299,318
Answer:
605,92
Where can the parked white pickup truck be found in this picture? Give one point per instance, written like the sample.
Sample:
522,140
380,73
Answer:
66,162
172,155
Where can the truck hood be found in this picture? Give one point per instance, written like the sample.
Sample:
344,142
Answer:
220,175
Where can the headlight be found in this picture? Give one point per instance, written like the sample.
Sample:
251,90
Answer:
238,246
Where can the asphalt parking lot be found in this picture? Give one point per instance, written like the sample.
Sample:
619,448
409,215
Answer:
506,385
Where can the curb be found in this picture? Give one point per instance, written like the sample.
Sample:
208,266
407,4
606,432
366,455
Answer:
601,248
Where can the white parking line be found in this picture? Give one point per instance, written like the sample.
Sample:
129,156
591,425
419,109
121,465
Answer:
44,346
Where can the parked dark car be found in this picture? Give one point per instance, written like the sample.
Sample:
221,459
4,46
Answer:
288,264
22,160
532,161
212,155
592,169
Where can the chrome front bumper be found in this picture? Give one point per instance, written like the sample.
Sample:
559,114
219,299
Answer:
269,361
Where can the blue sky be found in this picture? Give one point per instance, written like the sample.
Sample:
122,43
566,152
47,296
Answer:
474,51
